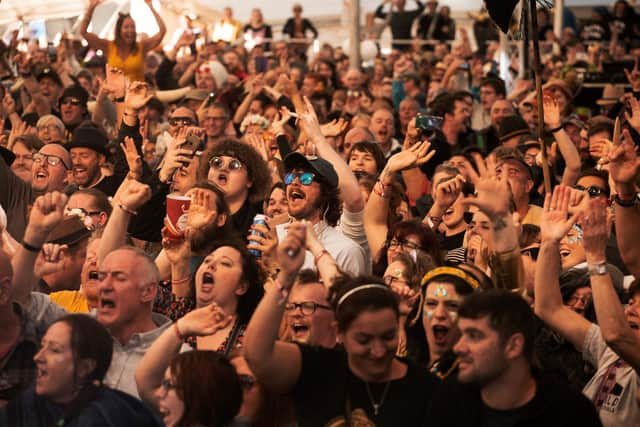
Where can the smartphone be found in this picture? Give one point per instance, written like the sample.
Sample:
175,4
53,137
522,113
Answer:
464,66
192,143
427,125
261,64
52,52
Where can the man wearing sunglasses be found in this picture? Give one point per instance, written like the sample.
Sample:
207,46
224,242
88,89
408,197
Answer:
50,171
312,193
181,117
73,108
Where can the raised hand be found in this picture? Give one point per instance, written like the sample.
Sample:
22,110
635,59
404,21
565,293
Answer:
258,142
552,117
334,127
416,155
634,118
264,239
176,249
50,259
133,158
47,212
8,104
199,214
203,321
277,126
555,222
133,194
309,121
115,82
291,251
138,94
447,192
595,230
624,163
493,196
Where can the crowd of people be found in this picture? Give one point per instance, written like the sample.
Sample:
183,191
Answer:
240,232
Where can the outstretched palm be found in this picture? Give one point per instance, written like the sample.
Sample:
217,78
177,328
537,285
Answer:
416,155
555,222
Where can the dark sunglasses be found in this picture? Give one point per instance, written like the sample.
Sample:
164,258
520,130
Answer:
94,275
306,178
531,252
592,190
181,121
70,101
219,163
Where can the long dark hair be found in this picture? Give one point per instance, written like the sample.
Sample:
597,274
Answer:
209,387
118,31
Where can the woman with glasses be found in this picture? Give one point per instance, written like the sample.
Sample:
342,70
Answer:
50,129
125,52
72,361
193,388
360,382
407,236
244,177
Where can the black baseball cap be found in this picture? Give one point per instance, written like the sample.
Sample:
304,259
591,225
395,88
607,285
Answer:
320,166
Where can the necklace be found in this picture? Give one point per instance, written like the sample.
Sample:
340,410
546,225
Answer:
378,405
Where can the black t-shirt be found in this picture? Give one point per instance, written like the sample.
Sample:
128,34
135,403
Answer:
326,383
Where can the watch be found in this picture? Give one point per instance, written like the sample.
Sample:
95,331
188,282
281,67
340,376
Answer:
597,269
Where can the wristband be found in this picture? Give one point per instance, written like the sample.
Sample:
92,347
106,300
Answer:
31,248
320,255
177,331
625,203
597,268
127,210
554,130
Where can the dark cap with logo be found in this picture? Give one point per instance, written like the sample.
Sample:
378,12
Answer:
321,167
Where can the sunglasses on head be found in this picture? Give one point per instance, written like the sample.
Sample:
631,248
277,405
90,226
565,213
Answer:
219,163
306,178
592,190
181,121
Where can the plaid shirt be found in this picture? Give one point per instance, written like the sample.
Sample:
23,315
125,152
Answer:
17,368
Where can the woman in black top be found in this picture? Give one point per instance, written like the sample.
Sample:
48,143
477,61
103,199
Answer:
359,382
73,359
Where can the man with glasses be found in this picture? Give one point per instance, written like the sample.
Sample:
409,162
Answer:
312,194
309,317
91,206
73,108
50,171
181,117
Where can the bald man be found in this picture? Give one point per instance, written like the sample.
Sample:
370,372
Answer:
51,171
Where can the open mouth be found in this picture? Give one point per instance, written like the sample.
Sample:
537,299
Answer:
222,179
440,334
296,195
300,329
564,253
41,175
207,279
106,303
42,373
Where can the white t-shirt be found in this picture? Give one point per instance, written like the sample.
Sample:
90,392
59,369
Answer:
621,407
349,256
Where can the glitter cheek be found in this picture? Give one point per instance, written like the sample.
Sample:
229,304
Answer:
429,314
454,316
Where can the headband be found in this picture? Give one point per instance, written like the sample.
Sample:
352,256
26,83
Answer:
443,271
451,271
358,289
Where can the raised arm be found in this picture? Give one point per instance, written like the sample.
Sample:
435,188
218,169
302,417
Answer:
94,41
153,41
375,213
613,323
494,198
623,170
567,148
46,213
277,364
131,195
554,226
347,182
150,371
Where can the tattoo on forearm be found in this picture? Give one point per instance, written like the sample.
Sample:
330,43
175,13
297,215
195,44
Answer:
500,224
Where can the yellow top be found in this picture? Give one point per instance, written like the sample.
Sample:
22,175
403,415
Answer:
132,66
72,301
